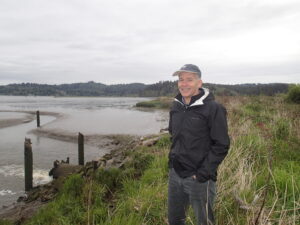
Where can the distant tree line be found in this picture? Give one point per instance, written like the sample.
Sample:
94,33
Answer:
162,88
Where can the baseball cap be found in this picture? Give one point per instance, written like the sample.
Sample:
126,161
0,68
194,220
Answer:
188,68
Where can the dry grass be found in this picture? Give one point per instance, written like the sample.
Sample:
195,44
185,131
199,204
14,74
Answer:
241,200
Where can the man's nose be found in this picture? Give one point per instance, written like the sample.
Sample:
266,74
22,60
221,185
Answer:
184,83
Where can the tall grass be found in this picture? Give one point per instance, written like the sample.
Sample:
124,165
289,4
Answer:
259,181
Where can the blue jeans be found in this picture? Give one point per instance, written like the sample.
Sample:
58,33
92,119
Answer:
188,191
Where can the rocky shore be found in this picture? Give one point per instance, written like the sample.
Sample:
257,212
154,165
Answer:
29,204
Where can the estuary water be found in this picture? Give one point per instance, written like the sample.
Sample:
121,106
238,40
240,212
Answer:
63,115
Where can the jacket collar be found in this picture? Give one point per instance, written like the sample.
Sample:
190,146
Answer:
196,100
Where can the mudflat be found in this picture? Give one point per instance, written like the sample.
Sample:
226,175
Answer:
13,122
28,117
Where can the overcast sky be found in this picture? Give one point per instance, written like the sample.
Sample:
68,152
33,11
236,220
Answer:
126,41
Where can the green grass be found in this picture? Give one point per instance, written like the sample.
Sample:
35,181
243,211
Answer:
5,222
67,208
130,194
160,103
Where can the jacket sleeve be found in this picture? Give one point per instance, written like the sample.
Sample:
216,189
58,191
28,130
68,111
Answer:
171,137
170,124
219,144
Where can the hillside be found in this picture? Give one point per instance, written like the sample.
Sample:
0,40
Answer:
163,88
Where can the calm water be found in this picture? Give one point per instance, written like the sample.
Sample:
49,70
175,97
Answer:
86,115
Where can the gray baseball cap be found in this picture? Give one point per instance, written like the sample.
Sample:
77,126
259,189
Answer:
188,68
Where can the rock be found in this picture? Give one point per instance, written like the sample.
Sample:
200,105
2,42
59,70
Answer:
64,169
109,163
19,212
22,198
150,142
107,156
164,130
115,142
119,158
58,183
121,165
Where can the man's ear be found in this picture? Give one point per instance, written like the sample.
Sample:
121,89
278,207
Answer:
200,84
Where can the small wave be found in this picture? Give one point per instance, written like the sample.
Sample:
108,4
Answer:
40,176
7,192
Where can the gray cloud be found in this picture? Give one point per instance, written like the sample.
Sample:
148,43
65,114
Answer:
63,41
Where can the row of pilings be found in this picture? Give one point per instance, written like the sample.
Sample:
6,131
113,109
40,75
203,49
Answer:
28,156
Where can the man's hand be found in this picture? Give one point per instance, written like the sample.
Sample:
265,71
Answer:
194,177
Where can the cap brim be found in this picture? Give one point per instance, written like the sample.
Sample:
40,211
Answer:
177,73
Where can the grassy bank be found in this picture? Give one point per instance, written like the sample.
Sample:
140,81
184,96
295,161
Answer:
158,103
259,181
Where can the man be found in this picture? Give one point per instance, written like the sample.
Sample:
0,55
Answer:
200,142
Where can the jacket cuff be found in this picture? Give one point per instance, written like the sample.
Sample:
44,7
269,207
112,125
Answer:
202,175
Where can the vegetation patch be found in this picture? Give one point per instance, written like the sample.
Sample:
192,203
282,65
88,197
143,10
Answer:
159,103
293,95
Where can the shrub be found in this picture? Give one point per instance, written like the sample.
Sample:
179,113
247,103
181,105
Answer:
293,94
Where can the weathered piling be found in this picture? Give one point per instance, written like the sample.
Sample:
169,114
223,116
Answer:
28,164
80,149
95,164
38,118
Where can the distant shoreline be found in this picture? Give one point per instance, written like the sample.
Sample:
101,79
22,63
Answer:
163,88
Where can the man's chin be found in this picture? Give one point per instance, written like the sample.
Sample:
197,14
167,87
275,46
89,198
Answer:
185,95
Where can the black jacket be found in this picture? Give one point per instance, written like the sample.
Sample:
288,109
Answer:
199,136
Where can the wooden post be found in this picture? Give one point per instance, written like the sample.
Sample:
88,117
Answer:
28,164
38,118
95,164
80,149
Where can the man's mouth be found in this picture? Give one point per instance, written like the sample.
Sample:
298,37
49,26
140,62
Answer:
185,89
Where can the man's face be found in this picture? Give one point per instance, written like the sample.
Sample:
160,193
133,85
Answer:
189,84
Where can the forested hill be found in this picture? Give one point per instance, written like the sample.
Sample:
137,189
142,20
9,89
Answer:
76,89
162,88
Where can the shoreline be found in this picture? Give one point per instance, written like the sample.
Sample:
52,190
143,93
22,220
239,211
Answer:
30,116
26,206
115,145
